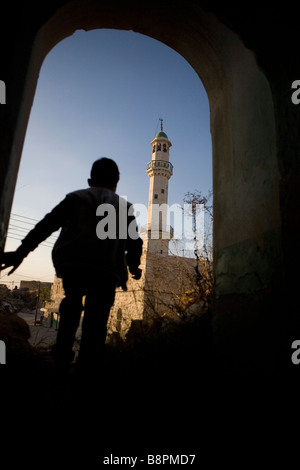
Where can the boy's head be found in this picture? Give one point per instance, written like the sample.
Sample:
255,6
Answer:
104,173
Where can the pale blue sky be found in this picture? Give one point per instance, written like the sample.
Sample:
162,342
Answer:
101,93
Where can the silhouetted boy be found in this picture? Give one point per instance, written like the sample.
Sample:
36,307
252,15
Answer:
89,262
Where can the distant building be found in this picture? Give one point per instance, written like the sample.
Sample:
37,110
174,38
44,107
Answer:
4,288
57,294
34,286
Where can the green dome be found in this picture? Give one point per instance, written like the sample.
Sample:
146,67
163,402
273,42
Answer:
161,134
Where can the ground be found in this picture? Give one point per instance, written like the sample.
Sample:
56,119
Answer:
135,389
159,397
40,336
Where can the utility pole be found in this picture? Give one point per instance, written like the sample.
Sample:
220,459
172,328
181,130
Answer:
37,303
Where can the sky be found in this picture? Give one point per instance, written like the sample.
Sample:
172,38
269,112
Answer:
102,93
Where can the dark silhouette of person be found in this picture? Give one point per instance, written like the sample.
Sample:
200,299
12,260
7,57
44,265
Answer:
91,259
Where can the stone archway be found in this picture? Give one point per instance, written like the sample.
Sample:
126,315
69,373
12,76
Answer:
245,173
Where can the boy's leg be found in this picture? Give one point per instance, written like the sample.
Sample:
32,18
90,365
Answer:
98,302
70,311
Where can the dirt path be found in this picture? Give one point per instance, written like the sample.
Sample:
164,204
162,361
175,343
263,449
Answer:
41,336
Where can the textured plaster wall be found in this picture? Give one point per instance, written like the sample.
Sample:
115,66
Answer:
246,181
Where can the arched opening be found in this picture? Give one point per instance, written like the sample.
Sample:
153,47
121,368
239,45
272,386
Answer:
245,174
100,93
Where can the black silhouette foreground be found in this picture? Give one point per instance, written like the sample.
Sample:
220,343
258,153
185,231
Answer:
89,266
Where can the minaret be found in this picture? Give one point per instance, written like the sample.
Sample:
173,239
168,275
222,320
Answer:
158,234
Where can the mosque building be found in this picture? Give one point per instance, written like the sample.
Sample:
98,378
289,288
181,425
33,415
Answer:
167,284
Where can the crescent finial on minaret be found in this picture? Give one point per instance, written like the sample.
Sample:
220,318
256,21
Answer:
161,124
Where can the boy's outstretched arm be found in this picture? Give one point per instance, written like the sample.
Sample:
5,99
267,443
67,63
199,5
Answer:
49,224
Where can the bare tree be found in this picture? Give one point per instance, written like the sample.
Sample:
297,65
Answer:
204,256
171,287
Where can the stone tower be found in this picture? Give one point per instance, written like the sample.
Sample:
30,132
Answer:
157,233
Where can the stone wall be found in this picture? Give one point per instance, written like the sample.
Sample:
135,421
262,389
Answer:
57,294
166,289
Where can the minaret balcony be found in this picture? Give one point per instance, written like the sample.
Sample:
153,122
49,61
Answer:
158,165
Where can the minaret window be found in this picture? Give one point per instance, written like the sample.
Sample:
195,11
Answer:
164,147
153,150
158,146
162,191
155,196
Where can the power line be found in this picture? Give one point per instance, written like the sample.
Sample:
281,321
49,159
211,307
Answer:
16,227
41,244
28,277
13,227
23,232
24,217
48,276
22,221
18,232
